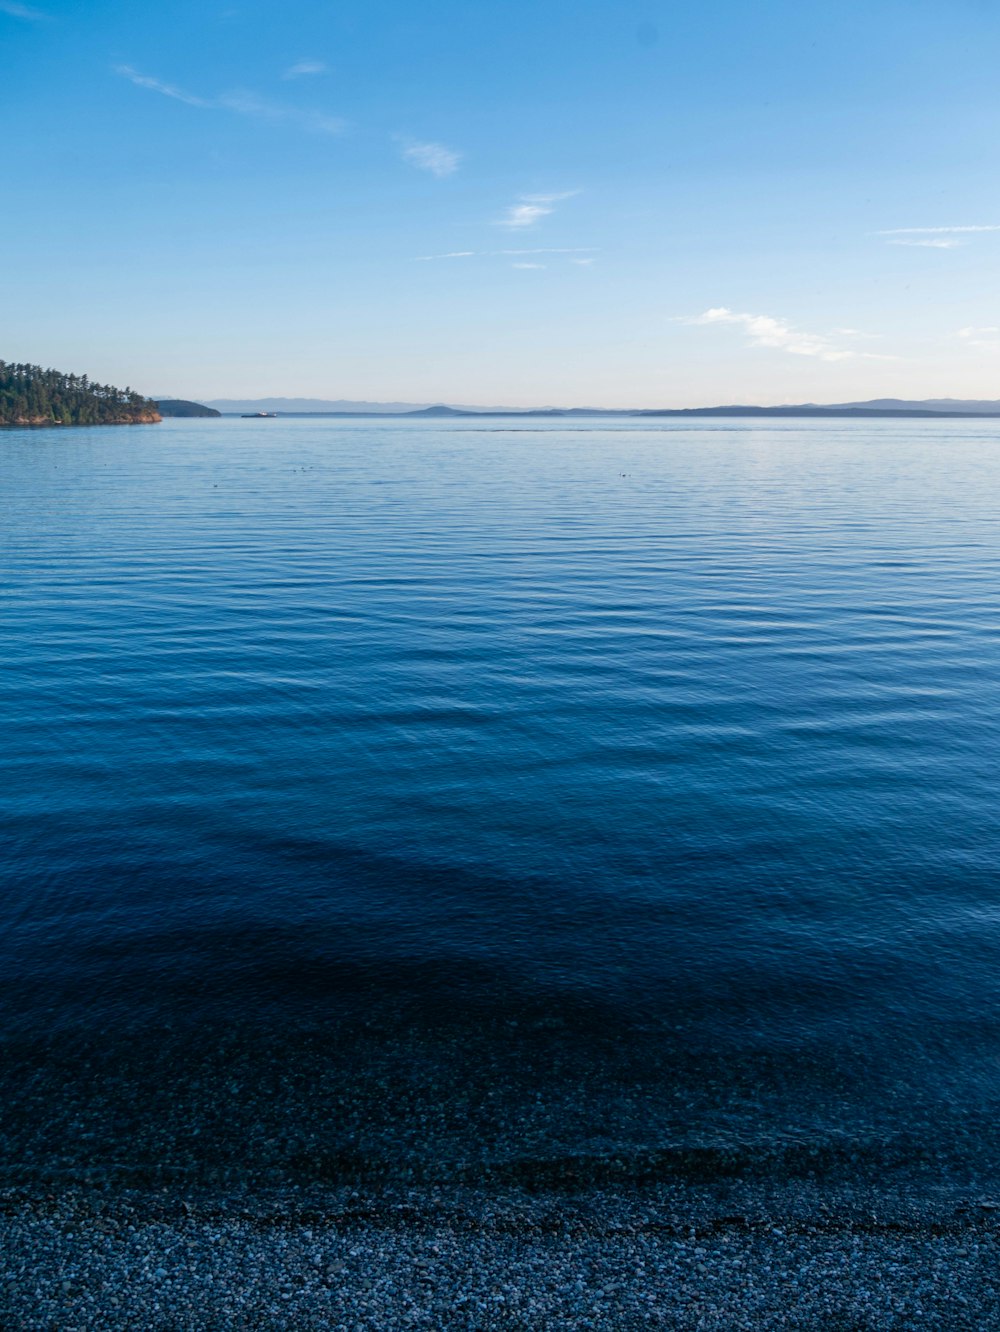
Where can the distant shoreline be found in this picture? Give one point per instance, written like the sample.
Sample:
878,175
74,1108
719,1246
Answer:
869,408
583,413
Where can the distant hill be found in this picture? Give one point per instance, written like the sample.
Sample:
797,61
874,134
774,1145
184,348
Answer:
180,407
336,406
438,411
860,412
876,407
32,396
971,406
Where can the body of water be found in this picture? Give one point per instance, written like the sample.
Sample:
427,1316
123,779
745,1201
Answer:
537,801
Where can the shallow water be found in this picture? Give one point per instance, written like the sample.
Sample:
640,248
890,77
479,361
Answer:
499,799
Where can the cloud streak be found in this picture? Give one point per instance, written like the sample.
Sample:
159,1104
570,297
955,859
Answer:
981,339
14,10
434,158
158,86
258,108
304,68
524,215
239,103
935,231
929,242
492,254
779,335
530,209
934,238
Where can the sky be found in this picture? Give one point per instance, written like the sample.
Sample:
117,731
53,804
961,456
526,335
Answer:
627,203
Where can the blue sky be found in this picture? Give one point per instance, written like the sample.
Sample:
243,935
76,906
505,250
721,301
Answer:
594,203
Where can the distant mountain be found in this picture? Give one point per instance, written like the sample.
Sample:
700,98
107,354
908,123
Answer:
876,407
335,405
986,406
181,407
861,412
441,410
307,405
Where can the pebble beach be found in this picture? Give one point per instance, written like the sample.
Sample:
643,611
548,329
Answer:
347,1261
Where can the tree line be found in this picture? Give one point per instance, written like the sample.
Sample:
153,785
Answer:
30,395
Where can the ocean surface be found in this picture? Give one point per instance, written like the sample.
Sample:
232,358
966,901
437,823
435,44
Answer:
543,802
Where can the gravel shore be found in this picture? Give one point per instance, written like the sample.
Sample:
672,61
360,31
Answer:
727,1260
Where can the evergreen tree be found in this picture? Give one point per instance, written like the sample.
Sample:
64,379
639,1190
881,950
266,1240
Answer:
30,395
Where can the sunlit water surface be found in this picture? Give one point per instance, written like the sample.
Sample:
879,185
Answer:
533,801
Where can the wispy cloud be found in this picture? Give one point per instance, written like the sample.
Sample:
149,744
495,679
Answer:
530,209
933,238
240,103
258,108
433,157
524,215
526,265
14,10
549,249
492,254
986,338
935,231
304,68
928,242
157,85
779,335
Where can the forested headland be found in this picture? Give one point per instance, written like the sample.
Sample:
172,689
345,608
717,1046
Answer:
30,395
181,407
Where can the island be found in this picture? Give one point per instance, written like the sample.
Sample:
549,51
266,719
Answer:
181,407
31,396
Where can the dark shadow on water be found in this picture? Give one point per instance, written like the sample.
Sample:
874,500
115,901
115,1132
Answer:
451,1032
509,1089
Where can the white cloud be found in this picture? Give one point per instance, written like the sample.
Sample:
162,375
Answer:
257,108
929,242
526,265
530,209
779,335
15,10
240,103
157,85
492,254
524,215
933,238
986,338
548,249
584,263
934,231
303,68
433,157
